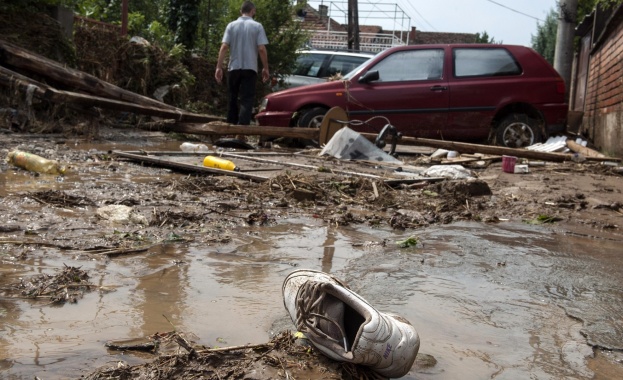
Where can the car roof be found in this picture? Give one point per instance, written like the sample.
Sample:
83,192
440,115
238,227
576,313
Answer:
459,45
338,52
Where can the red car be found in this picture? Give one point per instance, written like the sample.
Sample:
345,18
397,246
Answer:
465,92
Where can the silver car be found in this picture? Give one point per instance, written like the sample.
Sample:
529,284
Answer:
317,66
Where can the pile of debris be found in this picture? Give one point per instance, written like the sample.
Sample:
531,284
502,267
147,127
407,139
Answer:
283,357
67,286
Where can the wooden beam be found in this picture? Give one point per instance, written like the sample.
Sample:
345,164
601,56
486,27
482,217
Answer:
14,56
187,167
586,152
478,148
221,128
43,91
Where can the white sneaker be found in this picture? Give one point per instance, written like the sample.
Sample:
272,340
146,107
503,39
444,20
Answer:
345,327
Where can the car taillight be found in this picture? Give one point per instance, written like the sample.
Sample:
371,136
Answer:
560,87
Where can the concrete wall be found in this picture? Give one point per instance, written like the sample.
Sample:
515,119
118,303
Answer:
603,111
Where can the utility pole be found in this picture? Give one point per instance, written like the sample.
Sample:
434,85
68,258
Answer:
563,55
124,17
353,25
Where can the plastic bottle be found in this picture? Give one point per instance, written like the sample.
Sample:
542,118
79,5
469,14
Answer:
34,163
219,163
190,147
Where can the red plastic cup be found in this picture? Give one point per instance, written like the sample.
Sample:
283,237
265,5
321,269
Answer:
508,164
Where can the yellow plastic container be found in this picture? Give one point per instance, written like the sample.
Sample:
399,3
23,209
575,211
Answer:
34,163
219,163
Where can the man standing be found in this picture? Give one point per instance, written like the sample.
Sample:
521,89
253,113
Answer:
244,38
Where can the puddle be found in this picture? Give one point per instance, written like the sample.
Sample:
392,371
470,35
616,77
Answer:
488,301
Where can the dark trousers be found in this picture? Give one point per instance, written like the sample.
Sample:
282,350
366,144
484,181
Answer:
241,86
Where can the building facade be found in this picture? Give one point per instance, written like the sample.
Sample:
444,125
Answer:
597,87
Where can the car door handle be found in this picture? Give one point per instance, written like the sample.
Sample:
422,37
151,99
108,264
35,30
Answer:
439,88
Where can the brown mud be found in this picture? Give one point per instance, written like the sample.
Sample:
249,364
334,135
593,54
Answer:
64,214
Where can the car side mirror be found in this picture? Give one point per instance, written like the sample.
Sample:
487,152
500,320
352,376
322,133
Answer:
370,76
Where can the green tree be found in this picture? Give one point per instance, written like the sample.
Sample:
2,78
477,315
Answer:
284,33
485,39
544,42
586,7
183,21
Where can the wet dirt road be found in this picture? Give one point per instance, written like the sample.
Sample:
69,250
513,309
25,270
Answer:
489,302
505,301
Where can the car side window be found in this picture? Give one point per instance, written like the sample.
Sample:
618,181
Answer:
309,65
478,62
424,64
343,64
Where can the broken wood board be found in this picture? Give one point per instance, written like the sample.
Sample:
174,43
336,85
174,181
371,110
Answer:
101,93
486,149
266,165
581,149
221,128
144,157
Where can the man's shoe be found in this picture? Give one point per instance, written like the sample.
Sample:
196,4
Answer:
343,326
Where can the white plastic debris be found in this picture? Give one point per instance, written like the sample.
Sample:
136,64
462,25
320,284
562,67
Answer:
347,144
448,171
553,144
439,153
120,214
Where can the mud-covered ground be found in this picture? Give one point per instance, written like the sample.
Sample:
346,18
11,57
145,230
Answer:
106,205
73,214
164,203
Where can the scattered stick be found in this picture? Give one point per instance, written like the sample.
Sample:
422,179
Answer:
235,348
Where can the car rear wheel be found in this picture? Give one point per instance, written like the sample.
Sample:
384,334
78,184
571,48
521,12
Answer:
518,131
312,118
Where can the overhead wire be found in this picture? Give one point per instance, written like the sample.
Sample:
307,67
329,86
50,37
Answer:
419,14
514,10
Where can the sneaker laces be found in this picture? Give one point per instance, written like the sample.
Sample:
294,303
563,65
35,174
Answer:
311,307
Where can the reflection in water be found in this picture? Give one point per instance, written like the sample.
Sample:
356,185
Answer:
161,296
329,250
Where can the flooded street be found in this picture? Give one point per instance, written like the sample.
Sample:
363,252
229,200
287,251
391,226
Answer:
488,302
506,300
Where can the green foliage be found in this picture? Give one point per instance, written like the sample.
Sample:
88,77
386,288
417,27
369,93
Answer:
485,39
411,241
183,20
586,7
180,27
285,35
544,219
94,9
136,23
160,35
544,42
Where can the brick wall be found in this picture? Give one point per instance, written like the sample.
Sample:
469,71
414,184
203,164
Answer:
603,110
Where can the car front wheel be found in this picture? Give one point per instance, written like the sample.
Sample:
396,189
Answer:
518,131
312,118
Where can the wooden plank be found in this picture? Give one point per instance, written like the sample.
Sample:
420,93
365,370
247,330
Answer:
43,91
221,128
15,56
60,97
187,167
586,152
301,166
477,148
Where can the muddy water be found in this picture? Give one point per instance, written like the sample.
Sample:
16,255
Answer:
504,301
488,301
